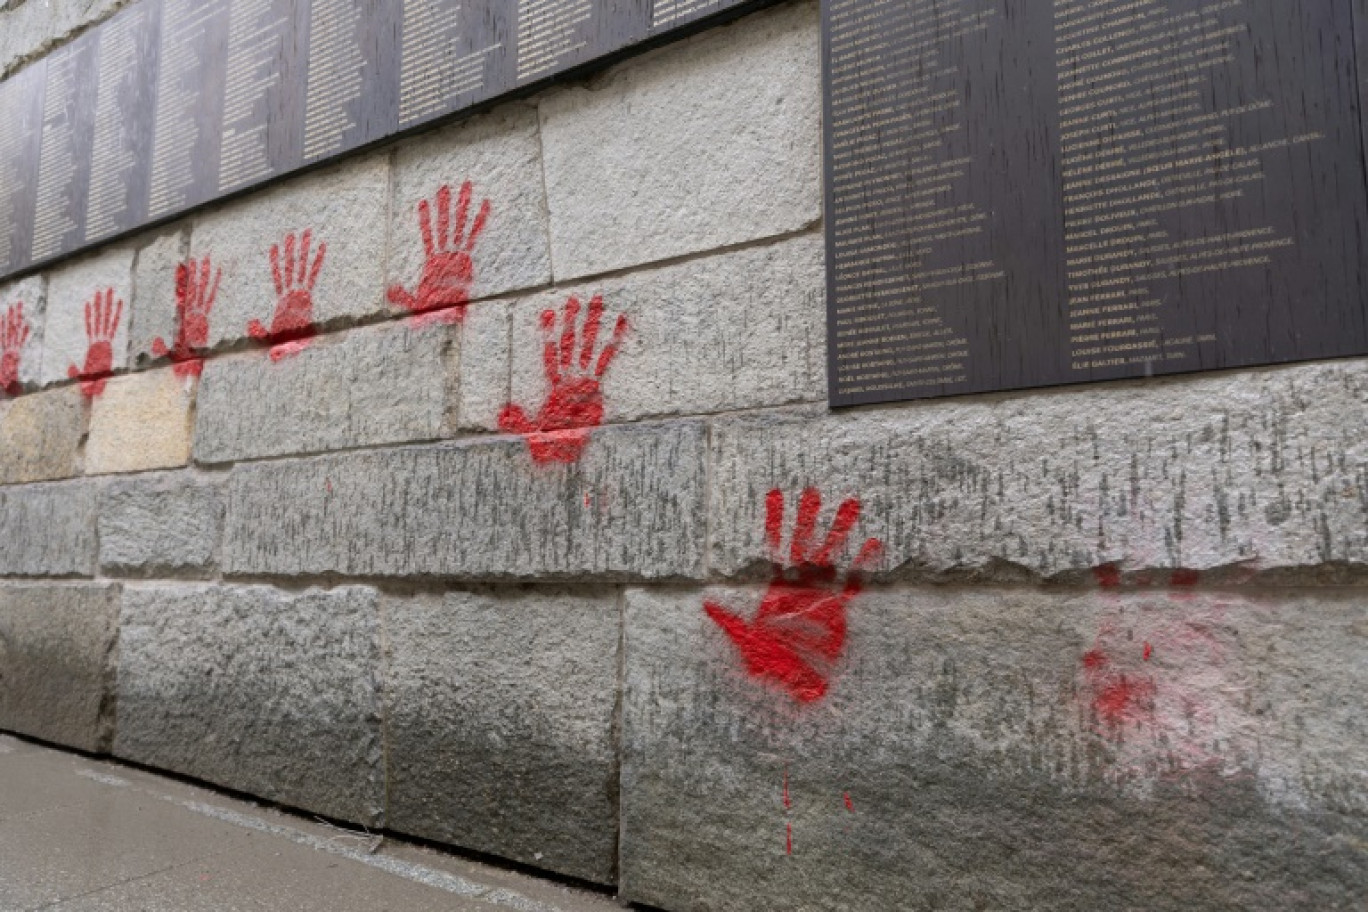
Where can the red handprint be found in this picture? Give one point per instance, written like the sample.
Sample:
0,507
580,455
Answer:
293,320
448,270
800,629
194,300
13,334
574,404
102,314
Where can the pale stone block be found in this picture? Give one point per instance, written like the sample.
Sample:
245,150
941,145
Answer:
141,421
40,435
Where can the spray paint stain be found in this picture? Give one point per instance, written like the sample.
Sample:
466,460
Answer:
850,806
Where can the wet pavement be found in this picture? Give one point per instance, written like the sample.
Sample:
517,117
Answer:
81,835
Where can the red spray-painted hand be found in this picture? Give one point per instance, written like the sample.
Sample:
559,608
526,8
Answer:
102,314
195,295
449,269
574,405
294,284
14,333
800,629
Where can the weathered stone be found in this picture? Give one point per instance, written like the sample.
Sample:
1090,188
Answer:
484,367
500,155
500,724
141,421
71,293
154,313
710,142
27,300
57,661
387,384
631,507
342,207
269,692
1003,748
163,524
734,331
40,436
1252,471
48,530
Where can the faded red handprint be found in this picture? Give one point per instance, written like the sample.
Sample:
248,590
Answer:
102,314
448,269
574,403
294,281
194,300
14,333
800,629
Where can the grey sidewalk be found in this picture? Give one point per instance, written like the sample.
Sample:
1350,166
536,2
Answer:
79,835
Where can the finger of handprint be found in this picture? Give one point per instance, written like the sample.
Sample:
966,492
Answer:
317,265
869,555
114,321
513,420
774,523
305,244
287,268
201,283
809,505
611,349
184,275
567,341
212,295
478,228
425,226
452,241
88,323
591,330
275,270
846,515
549,360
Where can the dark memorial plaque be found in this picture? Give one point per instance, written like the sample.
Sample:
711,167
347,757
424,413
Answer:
64,159
353,75
452,54
1023,194
21,113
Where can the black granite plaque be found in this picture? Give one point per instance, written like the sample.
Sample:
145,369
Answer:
353,74
1024,194
452,54
21,112
68,139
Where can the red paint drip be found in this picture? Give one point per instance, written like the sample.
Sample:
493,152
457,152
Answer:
1185,578
195,296
788,842
787,804
294,280
1108,576
800,628
850,806
574,404
449,268
1148,651
102,315
14,334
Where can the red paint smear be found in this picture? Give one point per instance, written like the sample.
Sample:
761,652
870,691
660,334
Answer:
788,842
448,269
1108,576
1117,697
14,333
195,295
574,404
1185,578
102,315
1148,651
800,628
850,806
294,280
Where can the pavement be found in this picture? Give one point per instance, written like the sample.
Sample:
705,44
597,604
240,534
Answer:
80,835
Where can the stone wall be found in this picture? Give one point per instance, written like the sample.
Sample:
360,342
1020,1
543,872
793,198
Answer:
282,514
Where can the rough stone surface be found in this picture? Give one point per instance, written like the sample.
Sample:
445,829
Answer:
269,692
48,530
1253,471
70,288
141,421
344,207
57,659
739,330
500,154
32,27
500,724
154,292
387,384
484,367
710,142
160,525
632,507
32,294
1004,749
40,436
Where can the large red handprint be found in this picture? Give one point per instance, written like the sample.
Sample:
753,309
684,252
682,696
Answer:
102,314
14,334
574,403
194,300
292,324
448,269
800,629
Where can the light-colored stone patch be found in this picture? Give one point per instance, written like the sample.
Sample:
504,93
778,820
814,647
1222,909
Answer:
40,436
141,421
